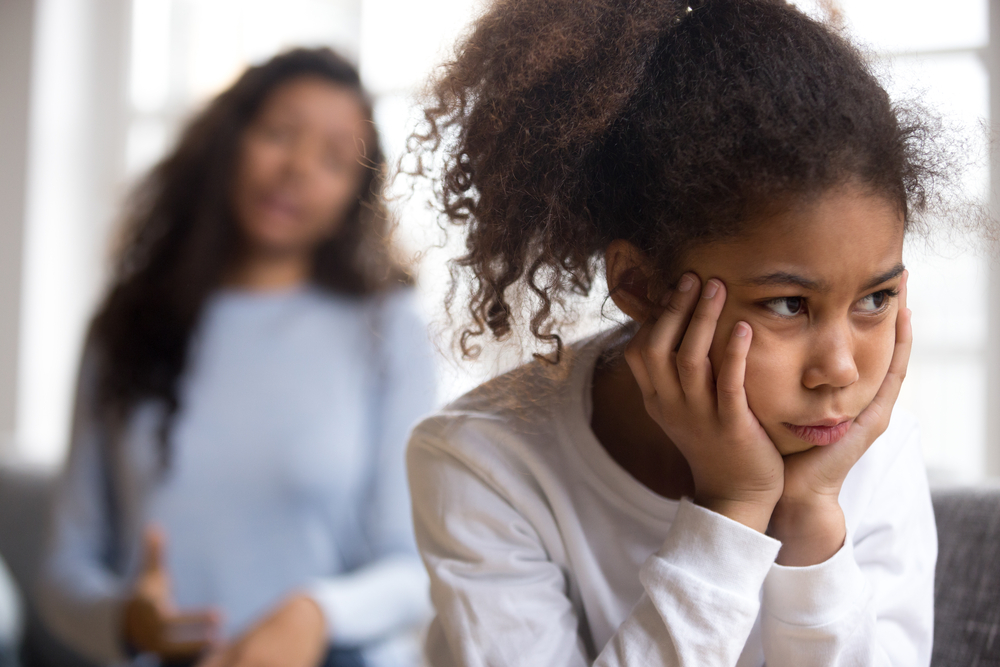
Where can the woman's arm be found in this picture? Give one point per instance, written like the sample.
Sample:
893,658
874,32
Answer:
80,598
388,592
501,600
83,595
872,603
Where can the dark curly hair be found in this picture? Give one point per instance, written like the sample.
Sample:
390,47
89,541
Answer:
180,237
566,124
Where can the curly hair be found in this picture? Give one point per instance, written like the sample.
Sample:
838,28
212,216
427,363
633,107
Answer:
180,236
565,124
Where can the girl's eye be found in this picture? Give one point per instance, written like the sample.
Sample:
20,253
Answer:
874,302
787,306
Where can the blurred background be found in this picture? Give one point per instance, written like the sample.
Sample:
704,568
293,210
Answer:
92,93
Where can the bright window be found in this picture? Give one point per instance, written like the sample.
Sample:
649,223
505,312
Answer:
185,51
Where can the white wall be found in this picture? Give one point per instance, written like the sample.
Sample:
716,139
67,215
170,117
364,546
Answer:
992,59
16,28
111,87
75,179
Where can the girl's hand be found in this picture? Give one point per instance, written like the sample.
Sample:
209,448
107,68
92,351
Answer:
152,624
293,635
737,470
808,519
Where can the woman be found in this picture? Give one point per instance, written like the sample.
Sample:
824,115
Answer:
235,491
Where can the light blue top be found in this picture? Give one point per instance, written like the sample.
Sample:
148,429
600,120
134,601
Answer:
287,474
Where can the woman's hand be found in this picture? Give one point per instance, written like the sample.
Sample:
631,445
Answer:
808,519
737,470
293,635
151,622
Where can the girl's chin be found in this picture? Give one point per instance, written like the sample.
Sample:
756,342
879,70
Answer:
794,447
785,443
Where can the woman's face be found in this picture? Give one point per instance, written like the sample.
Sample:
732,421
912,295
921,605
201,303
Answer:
300,167
817,284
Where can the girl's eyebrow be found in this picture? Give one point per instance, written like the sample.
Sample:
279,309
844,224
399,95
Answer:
885,276
785,278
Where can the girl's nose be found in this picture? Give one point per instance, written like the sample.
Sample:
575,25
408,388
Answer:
832,362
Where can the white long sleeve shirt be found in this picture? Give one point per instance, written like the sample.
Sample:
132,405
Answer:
543,551
287,474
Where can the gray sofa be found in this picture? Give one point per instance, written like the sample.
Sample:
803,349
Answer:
24,507
967,590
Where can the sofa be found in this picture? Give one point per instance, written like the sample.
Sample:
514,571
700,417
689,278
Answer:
967,585
966,591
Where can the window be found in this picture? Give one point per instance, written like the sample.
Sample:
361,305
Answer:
183,51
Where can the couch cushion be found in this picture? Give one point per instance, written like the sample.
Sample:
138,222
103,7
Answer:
967,587
25,497
25,494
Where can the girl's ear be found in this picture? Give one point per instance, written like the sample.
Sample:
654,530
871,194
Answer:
630,280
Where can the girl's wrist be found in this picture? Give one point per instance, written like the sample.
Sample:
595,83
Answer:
810,532
754,512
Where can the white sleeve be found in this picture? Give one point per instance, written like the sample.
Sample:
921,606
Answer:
872,603
500,600
388,593
80,597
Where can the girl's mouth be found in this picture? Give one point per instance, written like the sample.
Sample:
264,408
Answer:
823,433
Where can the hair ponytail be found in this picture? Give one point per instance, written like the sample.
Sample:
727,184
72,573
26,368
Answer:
564,124
531,90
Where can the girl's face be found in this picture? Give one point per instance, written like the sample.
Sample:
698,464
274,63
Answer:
299,170
817,283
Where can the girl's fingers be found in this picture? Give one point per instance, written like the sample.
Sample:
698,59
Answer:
668,330
731,393
662,337
902,288
876,416
693,367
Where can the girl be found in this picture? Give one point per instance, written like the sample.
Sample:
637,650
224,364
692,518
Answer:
720,482
236,480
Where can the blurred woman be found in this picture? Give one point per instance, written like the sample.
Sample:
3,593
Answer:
235,491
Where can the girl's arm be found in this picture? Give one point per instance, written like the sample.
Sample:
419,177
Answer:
80,597
389,592
872,603
502,600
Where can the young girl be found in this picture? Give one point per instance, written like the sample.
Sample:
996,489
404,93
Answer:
236,484
720,482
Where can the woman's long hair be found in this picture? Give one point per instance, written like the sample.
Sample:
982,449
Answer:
181,236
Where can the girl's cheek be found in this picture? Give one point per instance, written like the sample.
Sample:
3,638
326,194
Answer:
874,358
773,379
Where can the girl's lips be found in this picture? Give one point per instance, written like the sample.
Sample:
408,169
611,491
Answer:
820,435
